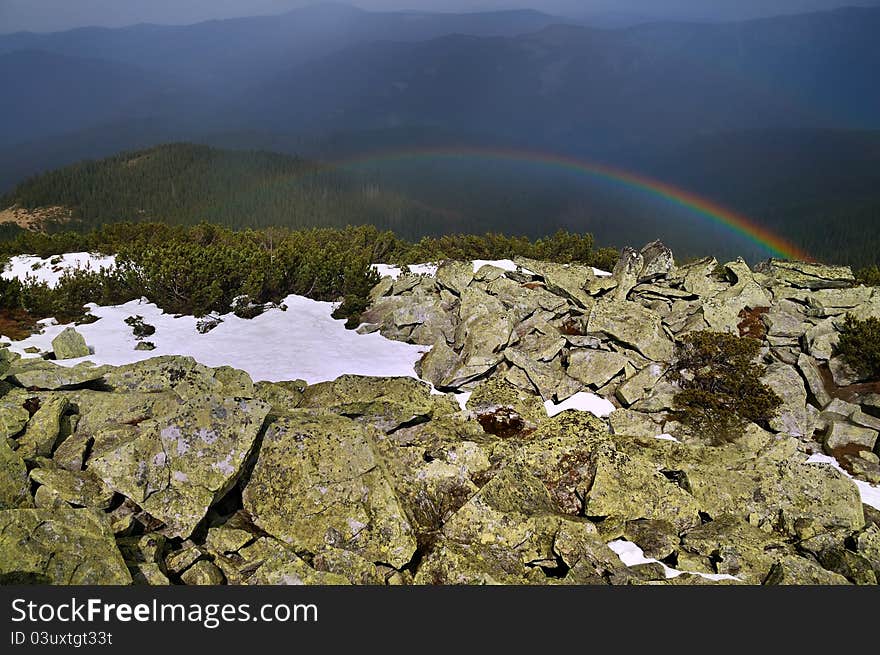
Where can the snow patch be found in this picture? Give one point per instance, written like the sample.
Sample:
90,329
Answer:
463,398
43,270
582,402
394,272
304,342
631,555
870,493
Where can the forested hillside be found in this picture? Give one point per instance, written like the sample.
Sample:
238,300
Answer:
185,184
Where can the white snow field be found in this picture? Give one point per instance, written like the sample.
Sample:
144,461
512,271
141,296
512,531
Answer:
43,270
631,555
303,342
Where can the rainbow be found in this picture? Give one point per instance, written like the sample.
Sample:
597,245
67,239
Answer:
776,245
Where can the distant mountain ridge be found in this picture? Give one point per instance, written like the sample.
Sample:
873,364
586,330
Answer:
336,68
684,102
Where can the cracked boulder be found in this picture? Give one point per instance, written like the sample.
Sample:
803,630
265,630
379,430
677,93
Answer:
177,466
632,325
183,375
318,483
46,375
511,532
387,403
14,484
804,275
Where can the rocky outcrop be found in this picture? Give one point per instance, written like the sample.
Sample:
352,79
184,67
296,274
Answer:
167,471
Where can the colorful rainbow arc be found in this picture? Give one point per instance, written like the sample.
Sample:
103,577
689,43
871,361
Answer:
776,245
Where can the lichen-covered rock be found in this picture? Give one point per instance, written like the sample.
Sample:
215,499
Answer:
810,370
568,281
147,548
99,411
180,560
632,325
804,275
789,570
282,396
792,417
835,302
318,484
505,533
43,429
386,403
736,547
640,384
269,562
177,466
234,382
762,480
7,359
455,276
202,572
629,487
441,367
841,434
42,374
549,378
562,453
148,574
842,373
13,415
183,375
626,273
521,300
595,367
46,498
657,261
484,328
850,565
70,344
14,485
59,546
496,401
657,539
868,546
78,488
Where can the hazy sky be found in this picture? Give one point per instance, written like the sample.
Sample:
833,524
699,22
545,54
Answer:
51,15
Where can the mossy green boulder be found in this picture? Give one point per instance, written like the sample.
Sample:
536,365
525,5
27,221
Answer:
176,467
318,483
63,546
70,344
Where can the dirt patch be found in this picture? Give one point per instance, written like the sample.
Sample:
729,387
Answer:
572,328
17,324
504,422
751,324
